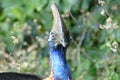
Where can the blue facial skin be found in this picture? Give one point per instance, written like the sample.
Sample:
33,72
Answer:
58,62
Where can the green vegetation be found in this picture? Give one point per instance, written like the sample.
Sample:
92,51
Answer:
94,25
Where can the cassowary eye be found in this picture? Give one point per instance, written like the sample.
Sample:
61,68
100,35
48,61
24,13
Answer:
61,40
53,36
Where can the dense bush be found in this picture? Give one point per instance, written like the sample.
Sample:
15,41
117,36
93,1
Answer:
94,25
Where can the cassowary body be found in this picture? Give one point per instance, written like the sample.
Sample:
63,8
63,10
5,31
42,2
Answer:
18,76
59,40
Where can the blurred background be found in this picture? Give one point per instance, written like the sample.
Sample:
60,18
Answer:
94,53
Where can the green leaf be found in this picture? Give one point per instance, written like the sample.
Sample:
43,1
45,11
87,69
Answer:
114,76
85,4
8,5
67,4
18,13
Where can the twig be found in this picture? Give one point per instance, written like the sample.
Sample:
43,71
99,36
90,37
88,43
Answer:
73,17
80,43
81,77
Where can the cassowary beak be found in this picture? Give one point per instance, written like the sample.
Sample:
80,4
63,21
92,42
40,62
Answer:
59,27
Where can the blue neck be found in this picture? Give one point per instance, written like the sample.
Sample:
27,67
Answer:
59,64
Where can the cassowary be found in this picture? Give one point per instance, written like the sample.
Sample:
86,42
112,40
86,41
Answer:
59,39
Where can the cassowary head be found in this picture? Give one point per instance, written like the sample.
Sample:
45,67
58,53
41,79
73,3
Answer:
59,32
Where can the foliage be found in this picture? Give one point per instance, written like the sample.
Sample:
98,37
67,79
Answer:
94,25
